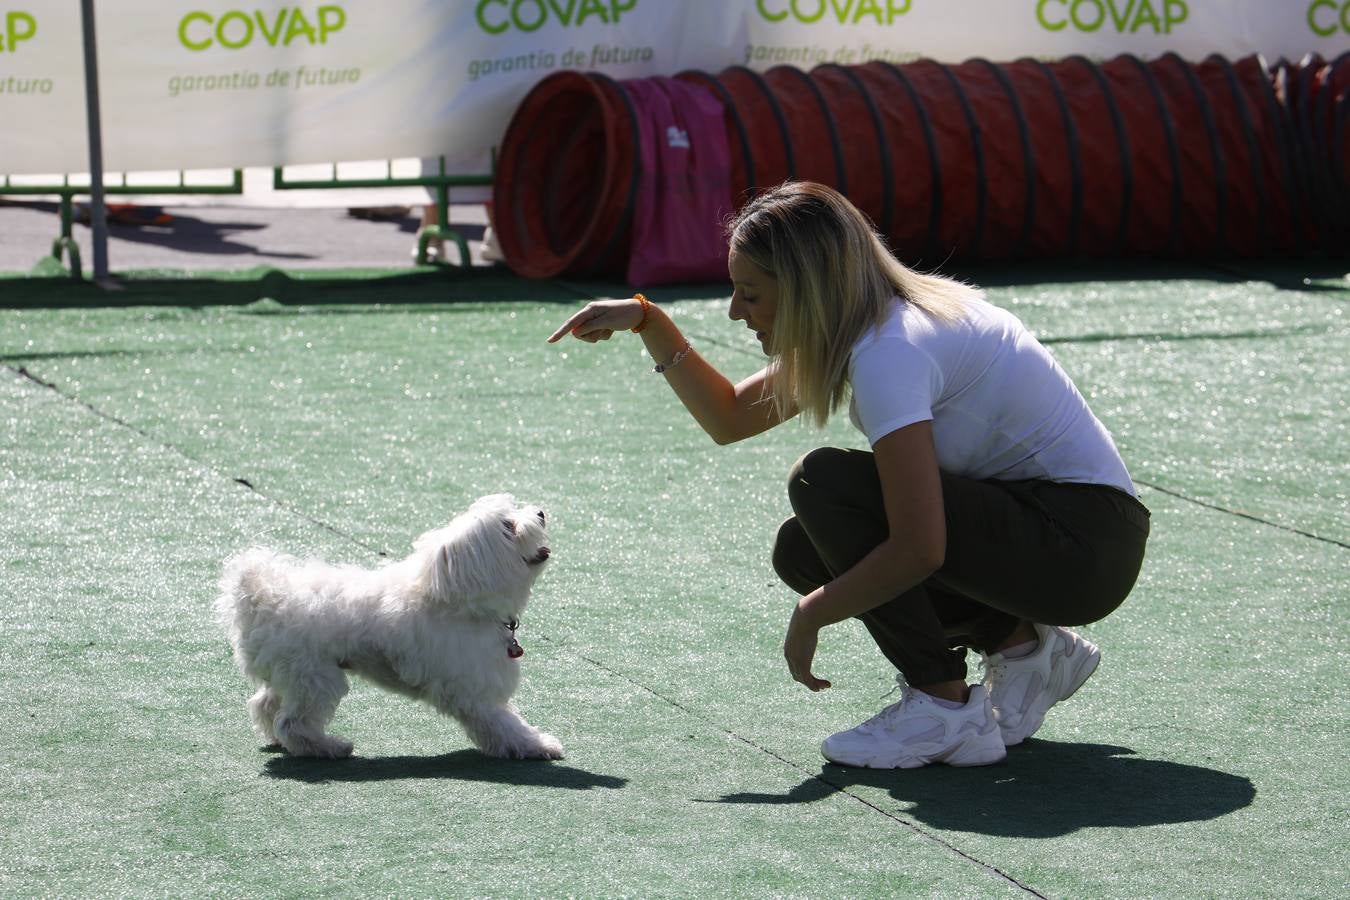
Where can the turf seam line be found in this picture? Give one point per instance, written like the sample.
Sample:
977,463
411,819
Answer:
989,869
201,465
1240,514
24,373
1104,337
1159,488
1216,336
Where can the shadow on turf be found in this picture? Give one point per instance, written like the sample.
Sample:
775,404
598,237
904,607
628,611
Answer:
1312,274
321,291
265,290
49,287
1044,789
462,765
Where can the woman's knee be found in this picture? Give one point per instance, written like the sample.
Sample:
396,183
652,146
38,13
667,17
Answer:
815,474
795,559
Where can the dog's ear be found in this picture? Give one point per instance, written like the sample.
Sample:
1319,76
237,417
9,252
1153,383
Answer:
471,562
458,568
441,574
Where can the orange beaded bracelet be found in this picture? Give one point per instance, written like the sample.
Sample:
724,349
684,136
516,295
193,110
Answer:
646,308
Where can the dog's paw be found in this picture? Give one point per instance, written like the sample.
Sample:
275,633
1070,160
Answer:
326,747
547,747
537,746
339,748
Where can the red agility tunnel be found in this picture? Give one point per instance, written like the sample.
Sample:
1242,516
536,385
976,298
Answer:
1316,100
975,161
566,174
600,177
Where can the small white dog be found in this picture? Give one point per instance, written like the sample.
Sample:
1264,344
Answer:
438,626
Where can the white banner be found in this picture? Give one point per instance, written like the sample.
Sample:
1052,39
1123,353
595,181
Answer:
42,108
200,84
810,32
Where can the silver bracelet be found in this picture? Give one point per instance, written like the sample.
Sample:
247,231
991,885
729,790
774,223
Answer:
674,360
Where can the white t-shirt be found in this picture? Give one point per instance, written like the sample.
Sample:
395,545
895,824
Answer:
1000,405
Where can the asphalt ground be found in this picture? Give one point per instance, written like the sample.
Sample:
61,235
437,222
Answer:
224,237
148,434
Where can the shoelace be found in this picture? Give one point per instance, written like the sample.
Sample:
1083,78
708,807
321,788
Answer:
990,671
906,692
899,684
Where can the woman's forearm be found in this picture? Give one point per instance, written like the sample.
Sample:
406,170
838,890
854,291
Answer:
879,577
727,412
710,396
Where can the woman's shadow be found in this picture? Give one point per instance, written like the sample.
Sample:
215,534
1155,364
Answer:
1044,789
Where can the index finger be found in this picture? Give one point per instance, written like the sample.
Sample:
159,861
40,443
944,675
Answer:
576,319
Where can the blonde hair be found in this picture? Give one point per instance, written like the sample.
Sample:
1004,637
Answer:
835,280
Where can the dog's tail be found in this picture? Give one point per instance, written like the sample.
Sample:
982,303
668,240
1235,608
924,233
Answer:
243,587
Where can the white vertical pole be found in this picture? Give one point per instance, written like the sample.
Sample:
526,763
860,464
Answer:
98,214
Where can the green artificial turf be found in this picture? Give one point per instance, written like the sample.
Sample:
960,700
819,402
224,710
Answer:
341,414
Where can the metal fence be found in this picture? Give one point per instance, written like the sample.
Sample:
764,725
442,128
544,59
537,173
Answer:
64,244
439,183
67,188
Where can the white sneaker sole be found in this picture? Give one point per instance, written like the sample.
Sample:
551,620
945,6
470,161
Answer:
976,750
983,754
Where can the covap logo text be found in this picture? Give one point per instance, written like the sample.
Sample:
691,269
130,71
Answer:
1125,16
19,27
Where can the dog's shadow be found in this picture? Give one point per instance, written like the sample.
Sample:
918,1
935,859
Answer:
462,765
1044,789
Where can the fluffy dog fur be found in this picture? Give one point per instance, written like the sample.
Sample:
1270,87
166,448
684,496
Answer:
434,626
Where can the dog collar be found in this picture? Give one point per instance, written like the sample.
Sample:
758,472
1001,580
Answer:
513,648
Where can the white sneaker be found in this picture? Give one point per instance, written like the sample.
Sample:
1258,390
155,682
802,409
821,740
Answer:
917,731
492,250
1023,690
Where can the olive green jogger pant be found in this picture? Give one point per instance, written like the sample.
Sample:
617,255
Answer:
1050,552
